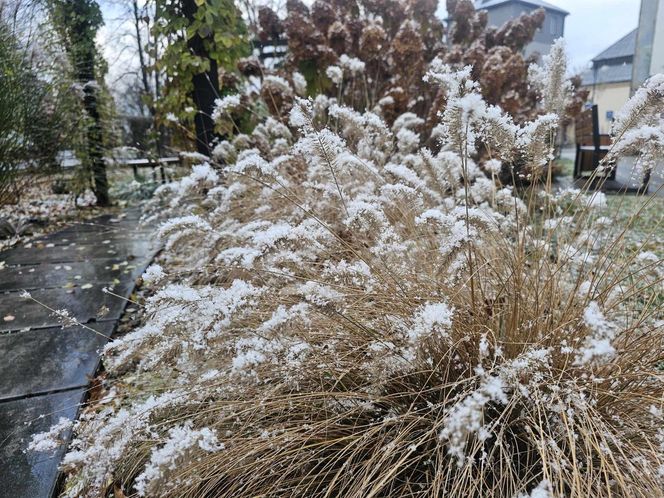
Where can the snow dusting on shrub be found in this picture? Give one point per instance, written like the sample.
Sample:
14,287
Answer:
343,311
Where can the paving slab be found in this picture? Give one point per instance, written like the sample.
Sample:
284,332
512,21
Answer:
69,253
104,220
27,474
68,275
126,222
44,367
104,224
84,229
127,219
132,214
46,360
84,305
93,237
631,174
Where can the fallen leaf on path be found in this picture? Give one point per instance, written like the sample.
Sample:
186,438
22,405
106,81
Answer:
86,286
9,318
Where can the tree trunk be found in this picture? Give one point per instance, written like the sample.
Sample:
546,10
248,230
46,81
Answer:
141,55
96,147
206,87
145,76
78,22
86,76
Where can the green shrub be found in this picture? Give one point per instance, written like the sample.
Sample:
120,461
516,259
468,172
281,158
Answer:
32,121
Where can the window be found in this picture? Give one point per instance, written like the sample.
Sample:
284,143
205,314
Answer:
609,115
554,25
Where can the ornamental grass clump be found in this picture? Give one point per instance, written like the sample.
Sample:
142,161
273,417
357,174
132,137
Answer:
341,312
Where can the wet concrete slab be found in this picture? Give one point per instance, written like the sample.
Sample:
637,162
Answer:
630,173
90,231
43,366
128,218
104,248
84,305
68,275
108,225
83,230
46,360
93,237
27,474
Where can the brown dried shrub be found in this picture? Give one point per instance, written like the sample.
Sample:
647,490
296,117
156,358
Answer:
397,40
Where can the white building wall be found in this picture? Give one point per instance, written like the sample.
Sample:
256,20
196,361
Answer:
657,62
649,55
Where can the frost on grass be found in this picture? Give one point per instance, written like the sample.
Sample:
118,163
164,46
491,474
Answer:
153,274
51,439
433,320
335,73
346,308
597,346
543,490
225,105
182,442
466,417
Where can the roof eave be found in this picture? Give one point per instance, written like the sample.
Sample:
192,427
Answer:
553,7
611,82
602,56
525,2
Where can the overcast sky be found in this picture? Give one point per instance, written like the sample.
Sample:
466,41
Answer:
593,25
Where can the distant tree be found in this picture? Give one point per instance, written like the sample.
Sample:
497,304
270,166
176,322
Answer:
34,116
197,39
78,22
139,18
205,84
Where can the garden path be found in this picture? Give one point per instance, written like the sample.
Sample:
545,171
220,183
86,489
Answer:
45,368
626,174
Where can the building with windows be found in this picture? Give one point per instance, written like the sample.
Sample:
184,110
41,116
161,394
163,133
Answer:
609,79
501,11
623,67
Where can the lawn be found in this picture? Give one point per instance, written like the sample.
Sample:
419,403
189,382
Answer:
644,214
